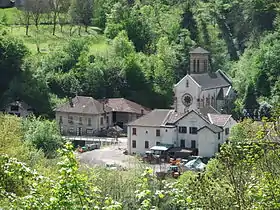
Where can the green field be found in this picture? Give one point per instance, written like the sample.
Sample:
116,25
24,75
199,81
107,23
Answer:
42,39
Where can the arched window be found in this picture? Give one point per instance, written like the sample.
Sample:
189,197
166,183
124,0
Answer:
187,83
194,63
212,101
197,69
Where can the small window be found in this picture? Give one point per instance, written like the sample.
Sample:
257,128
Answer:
194,62
193,130
182,129
219,135
147,131
193,144
166,130
89,121
80,120
146,144
142,112
157,143
107,119
14,108
197,68
133,131
60,120
157,132
187,83
101,121
227,131
133,143
70,119
205,65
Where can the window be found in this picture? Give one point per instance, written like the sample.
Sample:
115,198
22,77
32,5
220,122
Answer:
205,65
227,131
193,144
166,130
147,131
142,112
146,144
193,130
194,65
157,143
133,143
182,143
70,119
80,120
101,121
14,108
107,119
219,135
133,131
89,121
182,129
197,68
60,120
187,83
157,132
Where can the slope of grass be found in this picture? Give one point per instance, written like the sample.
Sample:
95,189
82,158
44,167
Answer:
41,39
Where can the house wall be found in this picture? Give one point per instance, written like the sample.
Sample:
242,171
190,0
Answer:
167,136
73,128
231,122
207,143
191,120
22,112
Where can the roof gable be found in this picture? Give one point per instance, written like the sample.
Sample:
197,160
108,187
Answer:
155,118
213,128
219,119
199,50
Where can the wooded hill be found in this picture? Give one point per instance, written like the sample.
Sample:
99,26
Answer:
136,49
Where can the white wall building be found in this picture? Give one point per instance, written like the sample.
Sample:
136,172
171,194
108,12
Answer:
195,121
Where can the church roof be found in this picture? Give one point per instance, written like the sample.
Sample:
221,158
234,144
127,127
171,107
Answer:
211,80
219,119
199,50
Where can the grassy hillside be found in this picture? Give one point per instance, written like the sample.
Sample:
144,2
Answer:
42,39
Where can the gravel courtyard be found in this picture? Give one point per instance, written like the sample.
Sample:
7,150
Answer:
114,154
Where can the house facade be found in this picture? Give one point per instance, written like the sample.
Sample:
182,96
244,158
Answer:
196,121
18,108
83,116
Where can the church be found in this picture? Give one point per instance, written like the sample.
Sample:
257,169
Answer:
196,122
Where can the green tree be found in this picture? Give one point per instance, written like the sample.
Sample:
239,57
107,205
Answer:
12,53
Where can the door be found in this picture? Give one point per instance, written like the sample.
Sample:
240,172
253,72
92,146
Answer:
182,145
79,131
193,144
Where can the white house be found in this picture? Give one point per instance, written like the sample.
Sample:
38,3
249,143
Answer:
195,121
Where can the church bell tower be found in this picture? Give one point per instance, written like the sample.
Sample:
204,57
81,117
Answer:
199,61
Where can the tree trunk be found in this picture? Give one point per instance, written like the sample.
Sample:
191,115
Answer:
27,26
86,28
54,22
80,30
71,30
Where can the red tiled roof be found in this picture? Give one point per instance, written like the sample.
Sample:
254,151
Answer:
124,105
219,119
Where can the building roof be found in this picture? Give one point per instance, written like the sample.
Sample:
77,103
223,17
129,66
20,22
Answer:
212,128
219,119
157,117
83,105
206,110
124,105
199,50
211,80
